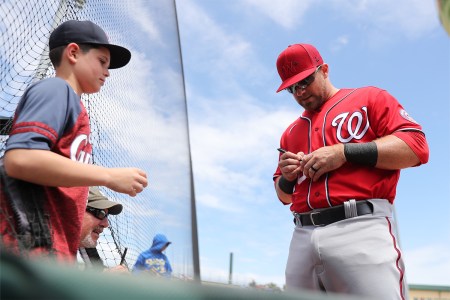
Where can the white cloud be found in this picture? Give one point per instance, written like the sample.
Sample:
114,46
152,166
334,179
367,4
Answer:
287,13
218,53
413,18
428,265
339,43
212,201
232,135
234,148
146,20
374,18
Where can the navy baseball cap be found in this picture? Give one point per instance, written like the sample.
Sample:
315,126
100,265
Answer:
86,32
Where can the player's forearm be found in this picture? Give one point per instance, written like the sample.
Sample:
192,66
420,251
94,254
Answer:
48,168
284,197
394,154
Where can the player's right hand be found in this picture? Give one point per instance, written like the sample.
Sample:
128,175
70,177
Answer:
289,165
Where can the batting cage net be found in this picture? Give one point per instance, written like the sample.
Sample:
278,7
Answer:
138,119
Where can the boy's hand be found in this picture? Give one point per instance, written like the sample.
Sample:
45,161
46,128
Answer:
129,181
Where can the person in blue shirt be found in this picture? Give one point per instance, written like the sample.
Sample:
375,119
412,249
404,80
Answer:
153,260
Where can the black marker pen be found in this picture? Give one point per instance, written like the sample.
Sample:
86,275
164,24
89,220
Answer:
284,151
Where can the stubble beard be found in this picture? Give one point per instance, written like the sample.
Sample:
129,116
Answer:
317,101
88,242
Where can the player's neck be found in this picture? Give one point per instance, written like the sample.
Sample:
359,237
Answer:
332,91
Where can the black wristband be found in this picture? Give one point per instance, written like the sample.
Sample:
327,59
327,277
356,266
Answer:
286,185
362,154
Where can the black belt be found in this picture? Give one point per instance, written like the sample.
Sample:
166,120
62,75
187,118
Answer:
326,216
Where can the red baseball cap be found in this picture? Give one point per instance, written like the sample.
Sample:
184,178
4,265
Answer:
296,63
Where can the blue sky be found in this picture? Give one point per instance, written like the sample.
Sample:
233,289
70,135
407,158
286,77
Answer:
229,51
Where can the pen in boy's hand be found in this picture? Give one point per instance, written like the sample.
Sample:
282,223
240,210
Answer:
123,256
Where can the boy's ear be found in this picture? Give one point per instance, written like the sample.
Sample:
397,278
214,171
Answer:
72,52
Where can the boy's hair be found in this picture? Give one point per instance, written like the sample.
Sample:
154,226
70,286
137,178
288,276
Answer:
56,53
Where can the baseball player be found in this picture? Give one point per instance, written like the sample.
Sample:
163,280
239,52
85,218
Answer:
338,169
47,164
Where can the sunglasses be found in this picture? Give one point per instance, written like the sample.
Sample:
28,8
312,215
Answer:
98,213
303,84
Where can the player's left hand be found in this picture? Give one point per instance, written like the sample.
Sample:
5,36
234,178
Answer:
322,160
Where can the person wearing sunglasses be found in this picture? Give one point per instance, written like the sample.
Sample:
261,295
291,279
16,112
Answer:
338,169
95,220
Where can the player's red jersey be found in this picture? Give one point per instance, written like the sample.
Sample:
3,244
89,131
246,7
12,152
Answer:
50,116
350,116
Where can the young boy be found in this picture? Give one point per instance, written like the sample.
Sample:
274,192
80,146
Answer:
47,164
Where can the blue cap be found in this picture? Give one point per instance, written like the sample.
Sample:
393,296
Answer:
86,32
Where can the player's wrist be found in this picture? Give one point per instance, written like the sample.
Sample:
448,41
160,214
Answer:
286,185
361,153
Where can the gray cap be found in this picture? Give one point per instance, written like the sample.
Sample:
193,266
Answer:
97,200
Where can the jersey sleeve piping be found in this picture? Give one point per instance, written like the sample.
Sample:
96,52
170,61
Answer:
40,128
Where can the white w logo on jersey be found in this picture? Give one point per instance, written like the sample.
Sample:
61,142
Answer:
353,133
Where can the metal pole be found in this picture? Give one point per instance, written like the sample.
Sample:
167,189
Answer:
230,276
194,230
